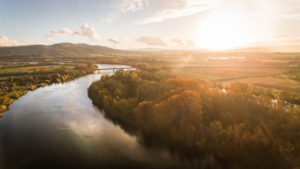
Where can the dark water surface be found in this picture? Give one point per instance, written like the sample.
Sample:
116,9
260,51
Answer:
57,126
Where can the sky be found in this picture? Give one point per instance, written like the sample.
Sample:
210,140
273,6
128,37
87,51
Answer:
135,24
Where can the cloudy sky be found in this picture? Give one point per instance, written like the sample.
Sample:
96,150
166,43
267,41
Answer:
132,24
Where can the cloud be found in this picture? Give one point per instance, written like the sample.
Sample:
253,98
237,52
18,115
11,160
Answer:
182,43
133,5
88,32
108,21
279,40
166,42
63,31
180,8
49,38
4,41
176,41
190,43
85,31
292,13
152,41
114,41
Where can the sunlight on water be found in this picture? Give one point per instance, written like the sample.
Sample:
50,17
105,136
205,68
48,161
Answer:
59,124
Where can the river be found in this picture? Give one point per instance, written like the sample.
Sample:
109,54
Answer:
57,126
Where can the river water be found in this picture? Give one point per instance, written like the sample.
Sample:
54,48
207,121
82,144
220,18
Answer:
57,126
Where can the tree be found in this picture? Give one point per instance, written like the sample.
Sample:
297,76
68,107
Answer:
242,89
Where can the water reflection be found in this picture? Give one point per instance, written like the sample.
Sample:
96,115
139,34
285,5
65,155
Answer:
58,127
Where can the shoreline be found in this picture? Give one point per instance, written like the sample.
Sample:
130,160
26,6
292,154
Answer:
18,87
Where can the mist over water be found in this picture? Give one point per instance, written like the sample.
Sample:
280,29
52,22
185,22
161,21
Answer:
57,126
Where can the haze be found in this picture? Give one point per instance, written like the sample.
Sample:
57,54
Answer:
170,24
149,84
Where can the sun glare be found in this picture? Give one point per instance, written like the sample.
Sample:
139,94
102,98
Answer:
222,31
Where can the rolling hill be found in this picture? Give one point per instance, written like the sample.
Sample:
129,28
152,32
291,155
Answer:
61,50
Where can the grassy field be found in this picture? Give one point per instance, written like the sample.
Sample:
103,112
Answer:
13,87
291,75
269,82
228,73
268,77
13,69
273,75
278,72
30,68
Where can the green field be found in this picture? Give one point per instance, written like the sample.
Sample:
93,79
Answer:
31,68
13,87
268,73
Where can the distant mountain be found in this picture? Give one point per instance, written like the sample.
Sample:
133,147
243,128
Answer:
79,51
64,50
150,50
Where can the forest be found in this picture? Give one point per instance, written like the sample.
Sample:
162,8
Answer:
238,128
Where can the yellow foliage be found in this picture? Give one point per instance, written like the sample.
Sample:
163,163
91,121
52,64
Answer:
239,88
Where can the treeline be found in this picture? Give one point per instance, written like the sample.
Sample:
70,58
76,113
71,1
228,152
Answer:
14,87
194,118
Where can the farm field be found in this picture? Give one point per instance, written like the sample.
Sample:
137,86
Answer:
30,68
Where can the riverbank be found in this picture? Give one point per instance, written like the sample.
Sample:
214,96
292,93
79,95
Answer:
14,87
192,117
60,128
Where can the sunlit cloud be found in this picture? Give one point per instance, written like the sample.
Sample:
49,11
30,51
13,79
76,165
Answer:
88,32
190,43
4,41
109,19
182,43
63,31
177,41
210,24
180,9
113,41
85,31
49,38
133,5
166,42
152,41
282,43
279,40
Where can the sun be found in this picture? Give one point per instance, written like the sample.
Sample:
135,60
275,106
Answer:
221,31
